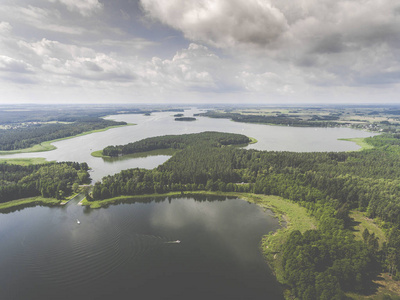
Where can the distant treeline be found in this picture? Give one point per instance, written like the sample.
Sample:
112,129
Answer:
63,113
319,264
280,119
55,180
216,139
20,138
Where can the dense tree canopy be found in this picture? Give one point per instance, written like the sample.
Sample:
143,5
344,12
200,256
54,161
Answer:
215,139
20,138
53,180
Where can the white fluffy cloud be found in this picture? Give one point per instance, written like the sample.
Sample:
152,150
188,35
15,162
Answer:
190,68
9,64
223,23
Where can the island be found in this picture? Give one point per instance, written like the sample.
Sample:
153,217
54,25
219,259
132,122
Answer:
186,119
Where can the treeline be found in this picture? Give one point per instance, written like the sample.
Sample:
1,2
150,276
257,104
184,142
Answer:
280,119
329,261
20,138
216,139
55,180
17,114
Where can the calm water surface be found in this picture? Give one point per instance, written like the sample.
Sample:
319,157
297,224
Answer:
125,251
277,138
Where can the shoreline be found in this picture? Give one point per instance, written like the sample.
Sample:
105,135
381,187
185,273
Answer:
360,142
167,151
46,146
27,202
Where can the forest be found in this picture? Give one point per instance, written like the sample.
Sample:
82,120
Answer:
52,180
20,138
318,264
215,139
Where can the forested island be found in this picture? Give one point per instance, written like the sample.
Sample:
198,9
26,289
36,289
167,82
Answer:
185,119
325,263
177,142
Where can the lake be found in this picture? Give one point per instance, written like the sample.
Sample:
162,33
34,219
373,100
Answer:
273,138
127,251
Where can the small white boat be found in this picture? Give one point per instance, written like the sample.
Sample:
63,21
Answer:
78,222
174,242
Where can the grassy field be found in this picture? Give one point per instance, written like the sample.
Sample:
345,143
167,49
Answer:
34,200
47,146
361,222
386,289
385,286
24,161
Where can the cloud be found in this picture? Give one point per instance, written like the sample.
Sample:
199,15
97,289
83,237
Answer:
5,28
84,7
78,62
37,17
224,23
190,68
9,64
312,36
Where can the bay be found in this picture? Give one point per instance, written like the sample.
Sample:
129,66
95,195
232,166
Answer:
130,251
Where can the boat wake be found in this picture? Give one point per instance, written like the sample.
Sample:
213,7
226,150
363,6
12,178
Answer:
173,242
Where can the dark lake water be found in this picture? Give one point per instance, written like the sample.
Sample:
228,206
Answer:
126,252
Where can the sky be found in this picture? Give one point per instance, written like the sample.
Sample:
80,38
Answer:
200,51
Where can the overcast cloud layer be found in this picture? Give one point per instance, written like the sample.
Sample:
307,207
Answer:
147,51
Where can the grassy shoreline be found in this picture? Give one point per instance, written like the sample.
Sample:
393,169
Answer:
24,161
252,140
47,145
26,201
360,142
